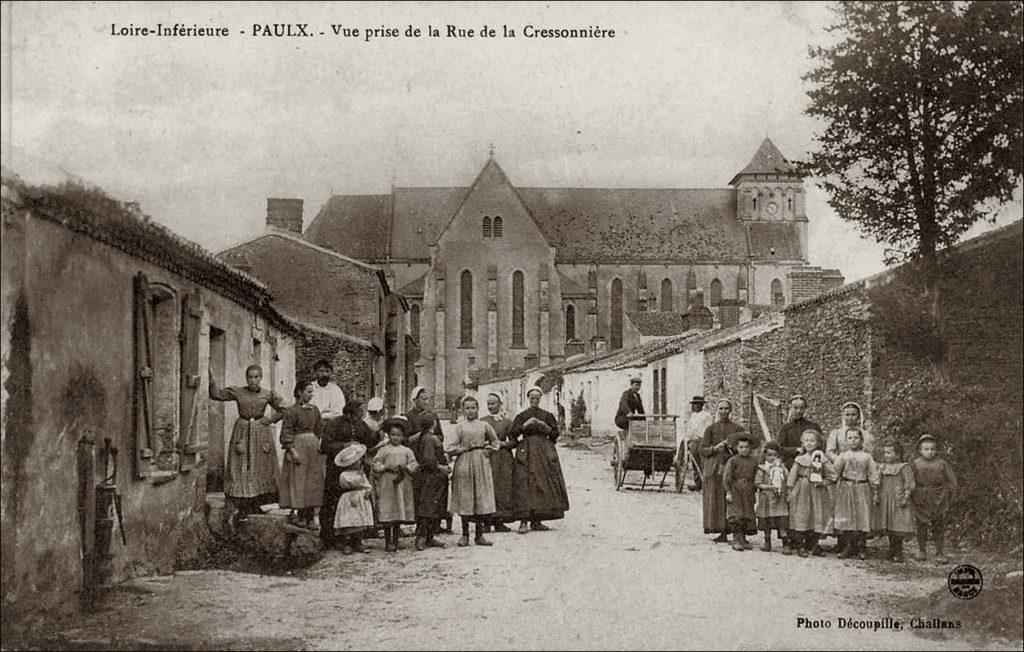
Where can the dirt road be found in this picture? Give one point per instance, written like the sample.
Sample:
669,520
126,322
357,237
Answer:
623,570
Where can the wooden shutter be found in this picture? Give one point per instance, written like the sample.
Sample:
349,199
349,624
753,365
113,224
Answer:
145,463
191,319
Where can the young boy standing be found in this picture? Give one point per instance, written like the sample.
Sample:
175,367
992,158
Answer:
738,480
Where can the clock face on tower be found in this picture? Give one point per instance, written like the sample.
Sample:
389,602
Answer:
771,208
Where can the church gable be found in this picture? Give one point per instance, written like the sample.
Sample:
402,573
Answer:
492,214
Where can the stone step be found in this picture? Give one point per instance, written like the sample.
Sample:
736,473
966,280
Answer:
267,537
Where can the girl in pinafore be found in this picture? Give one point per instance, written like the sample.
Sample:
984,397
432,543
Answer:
810,505
250,474
856,491
935,484
302,476
354,514
772,510
894,514
472,496
394,465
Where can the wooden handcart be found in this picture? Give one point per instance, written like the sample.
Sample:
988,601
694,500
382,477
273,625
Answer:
649,446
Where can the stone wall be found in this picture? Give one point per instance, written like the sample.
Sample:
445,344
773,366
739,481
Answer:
353,362
69,383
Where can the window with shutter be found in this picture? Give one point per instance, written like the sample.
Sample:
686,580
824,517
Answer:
188,443
487,226
518,317
145,463
497,227
664,390
657,394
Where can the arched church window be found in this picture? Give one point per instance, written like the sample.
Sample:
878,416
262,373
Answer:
616,316
778,298
497,226
466,309
518,332
789,204
487,226
414,322
716,292
666,295
570,322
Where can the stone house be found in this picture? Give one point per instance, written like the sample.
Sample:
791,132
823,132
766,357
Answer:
111,325
498,274
349,310
840,346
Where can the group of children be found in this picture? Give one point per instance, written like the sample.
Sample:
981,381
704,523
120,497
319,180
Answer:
851,496
408,479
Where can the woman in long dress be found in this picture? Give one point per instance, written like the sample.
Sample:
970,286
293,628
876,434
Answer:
715,452
472,496
250,474
302,475
538,486
502,464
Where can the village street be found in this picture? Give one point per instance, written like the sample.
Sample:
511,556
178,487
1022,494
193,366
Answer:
622,570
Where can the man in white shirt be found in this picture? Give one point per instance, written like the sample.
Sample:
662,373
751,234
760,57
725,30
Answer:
327,396
698,422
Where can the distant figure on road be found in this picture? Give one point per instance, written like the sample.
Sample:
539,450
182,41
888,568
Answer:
699,422
630,403
715,451
538,485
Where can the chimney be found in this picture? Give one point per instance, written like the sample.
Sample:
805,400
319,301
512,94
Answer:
530,361
729,313
598,345
285,214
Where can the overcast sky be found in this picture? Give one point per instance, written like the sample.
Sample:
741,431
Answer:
201,131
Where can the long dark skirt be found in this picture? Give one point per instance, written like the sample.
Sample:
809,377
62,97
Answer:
430,492
713,496
503,468
538,486
332,492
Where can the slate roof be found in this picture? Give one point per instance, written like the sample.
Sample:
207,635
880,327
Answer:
657,324
767,160
354,225
782,238
315,285
583,224
620,358
596,225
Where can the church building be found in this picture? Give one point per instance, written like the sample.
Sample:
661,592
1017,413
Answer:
504,276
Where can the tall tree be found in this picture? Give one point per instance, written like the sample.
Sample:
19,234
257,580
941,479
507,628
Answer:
923,107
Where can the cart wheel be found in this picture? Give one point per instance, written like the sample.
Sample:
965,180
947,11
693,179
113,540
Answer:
620,471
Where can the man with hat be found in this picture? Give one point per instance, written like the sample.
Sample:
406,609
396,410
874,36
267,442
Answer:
630,403
697,424
790,433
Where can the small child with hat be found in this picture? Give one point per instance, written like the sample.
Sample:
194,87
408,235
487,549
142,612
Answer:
934,486
354,515
738,480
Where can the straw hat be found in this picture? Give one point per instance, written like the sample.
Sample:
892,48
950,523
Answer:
350,455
